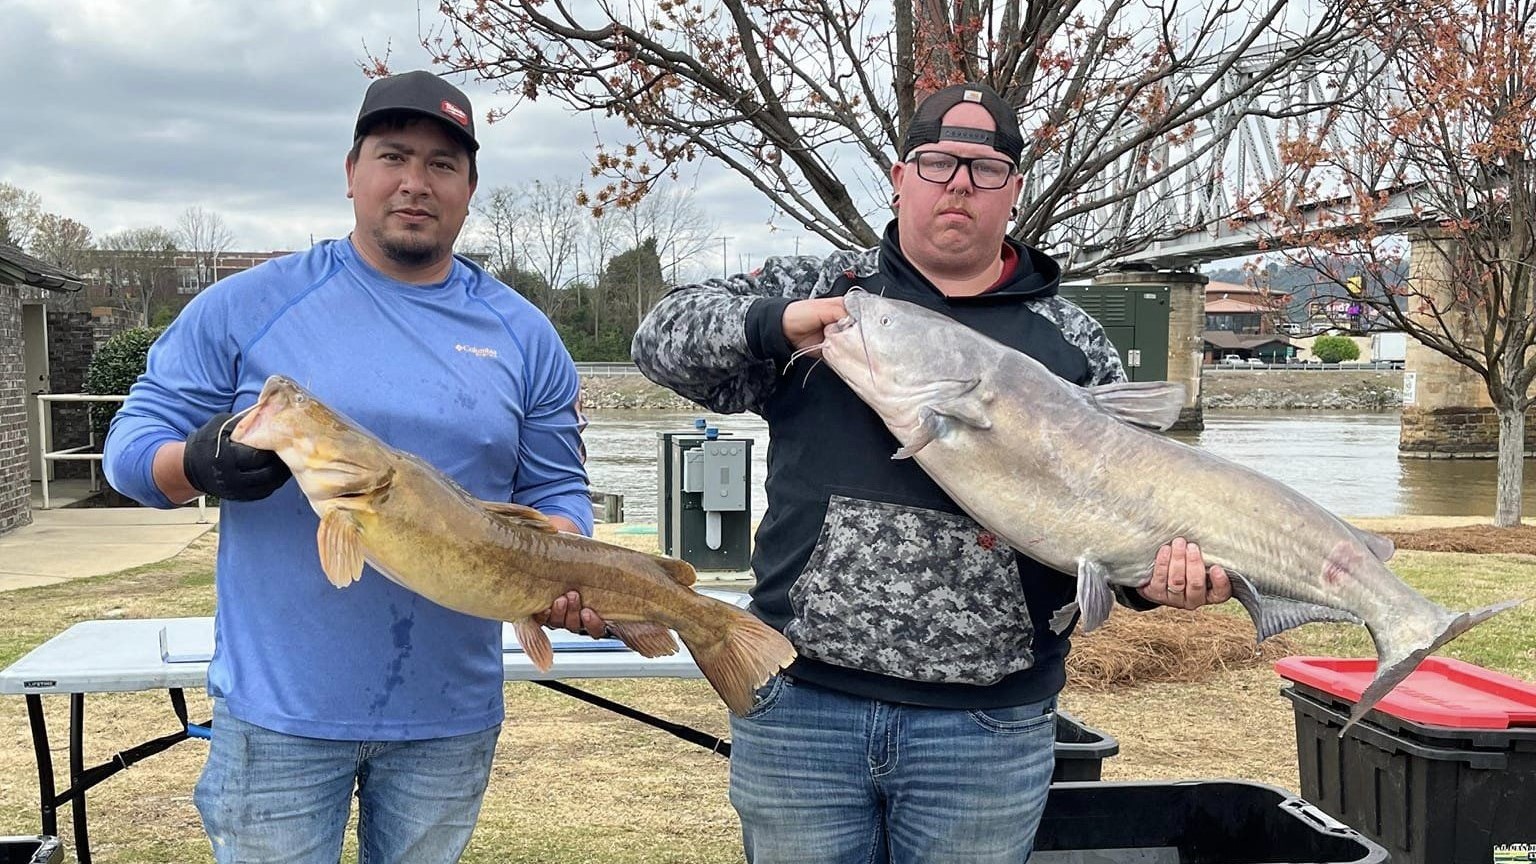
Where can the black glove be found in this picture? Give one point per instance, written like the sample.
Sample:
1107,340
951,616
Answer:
218,466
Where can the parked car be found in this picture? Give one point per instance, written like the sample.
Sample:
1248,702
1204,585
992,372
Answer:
1231,360
1254,361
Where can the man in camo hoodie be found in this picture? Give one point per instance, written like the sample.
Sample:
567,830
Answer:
918,723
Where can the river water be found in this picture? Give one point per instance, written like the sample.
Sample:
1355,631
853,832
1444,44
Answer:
1348,463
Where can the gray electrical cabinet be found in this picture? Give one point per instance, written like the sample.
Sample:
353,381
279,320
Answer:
703,498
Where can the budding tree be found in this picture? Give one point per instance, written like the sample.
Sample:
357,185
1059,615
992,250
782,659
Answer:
1442,151
808,102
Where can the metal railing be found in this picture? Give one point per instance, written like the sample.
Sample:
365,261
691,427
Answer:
1346,366
606,369
83,452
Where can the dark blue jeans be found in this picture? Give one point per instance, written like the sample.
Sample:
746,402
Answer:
820,776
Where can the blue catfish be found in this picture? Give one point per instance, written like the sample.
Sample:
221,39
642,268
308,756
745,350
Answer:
1071,477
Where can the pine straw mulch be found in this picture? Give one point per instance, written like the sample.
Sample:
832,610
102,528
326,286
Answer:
1169,645
1475,539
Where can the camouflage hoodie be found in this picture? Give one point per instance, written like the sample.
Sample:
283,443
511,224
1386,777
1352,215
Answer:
884,586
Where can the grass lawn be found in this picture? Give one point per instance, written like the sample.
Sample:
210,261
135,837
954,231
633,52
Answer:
574,783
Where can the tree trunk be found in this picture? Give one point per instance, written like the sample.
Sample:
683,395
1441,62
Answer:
1511,466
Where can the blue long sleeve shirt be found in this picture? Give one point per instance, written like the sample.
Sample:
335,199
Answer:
464,373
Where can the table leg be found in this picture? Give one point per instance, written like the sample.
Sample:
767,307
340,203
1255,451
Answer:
47,808
77,776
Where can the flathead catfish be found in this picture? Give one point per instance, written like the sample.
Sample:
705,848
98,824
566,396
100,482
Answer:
1067,477
494,560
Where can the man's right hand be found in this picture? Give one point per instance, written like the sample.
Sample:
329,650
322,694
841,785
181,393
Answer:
218,466
804,320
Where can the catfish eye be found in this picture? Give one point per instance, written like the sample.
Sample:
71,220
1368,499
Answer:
885,320
300,398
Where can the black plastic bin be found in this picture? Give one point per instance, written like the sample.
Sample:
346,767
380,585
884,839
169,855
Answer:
1192,822
1080,750
1428,794
34,849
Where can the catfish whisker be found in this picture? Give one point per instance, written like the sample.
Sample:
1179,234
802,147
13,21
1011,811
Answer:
802,352
233,418
807,378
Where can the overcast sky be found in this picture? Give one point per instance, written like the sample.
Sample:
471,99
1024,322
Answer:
122,113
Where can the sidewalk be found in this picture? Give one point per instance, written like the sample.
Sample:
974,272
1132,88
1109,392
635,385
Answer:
61,545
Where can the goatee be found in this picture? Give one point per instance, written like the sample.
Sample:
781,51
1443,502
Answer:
409,251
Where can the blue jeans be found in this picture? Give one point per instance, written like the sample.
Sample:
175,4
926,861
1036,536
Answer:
820,776
269,797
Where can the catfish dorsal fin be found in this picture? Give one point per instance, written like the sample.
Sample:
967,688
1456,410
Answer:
1154,404
518,516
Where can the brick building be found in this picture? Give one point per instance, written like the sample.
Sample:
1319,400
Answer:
38,322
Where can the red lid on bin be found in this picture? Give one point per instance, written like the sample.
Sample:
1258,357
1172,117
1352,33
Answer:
1442,692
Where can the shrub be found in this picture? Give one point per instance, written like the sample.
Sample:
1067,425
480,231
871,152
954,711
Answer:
1335,349
118,363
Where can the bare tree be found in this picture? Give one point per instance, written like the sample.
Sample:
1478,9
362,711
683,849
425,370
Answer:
62,241
600,239
203,235
679,228
1448,152
139,264
547,232
497,232
809,101
19,212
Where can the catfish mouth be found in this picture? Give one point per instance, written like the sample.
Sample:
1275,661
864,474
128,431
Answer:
257,424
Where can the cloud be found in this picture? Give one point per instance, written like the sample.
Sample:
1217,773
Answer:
133,110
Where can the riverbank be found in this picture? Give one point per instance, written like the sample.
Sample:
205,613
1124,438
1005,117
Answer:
1238,389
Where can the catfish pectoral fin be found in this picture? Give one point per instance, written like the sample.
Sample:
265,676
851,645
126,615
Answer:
645,638
341,548
535,643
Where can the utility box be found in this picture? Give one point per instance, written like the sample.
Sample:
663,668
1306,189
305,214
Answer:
1134,318
703,498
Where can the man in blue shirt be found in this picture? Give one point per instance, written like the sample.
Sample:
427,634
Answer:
317,691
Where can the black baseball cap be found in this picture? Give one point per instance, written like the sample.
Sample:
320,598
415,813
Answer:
927,126
422,93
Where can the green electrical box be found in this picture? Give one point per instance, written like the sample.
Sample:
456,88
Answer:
1135,318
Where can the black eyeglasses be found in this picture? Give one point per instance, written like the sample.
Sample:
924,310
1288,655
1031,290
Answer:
939,167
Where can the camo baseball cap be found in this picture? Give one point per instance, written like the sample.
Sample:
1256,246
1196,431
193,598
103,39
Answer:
927,126
422,93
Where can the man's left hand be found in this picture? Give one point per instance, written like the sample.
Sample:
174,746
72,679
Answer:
1180,579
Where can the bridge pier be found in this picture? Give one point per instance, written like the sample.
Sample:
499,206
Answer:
1446,410
1186,329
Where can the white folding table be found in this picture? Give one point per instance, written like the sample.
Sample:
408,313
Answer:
134,655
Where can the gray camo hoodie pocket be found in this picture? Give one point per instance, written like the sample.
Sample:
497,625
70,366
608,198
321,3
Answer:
912,593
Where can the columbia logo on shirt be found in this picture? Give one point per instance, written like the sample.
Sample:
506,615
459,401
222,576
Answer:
478,352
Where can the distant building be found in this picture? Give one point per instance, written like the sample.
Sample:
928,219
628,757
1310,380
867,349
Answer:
1247,322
